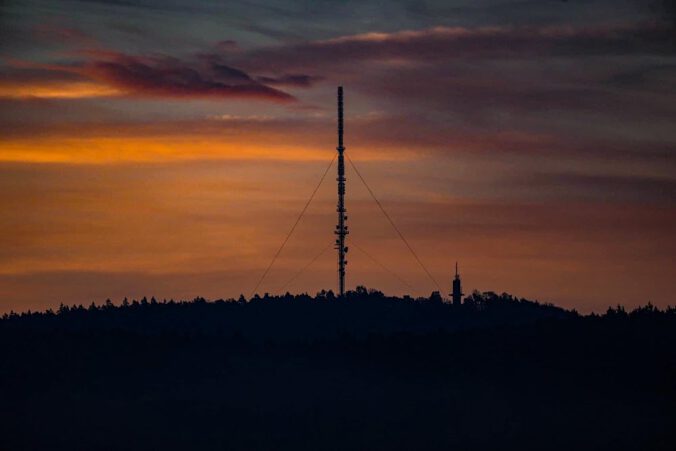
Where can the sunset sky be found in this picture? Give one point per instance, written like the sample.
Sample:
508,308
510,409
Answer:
164,148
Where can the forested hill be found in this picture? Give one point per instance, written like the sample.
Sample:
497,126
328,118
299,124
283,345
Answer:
366,372
361,313
318,373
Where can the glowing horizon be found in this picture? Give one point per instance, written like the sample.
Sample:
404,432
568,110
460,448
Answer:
170,161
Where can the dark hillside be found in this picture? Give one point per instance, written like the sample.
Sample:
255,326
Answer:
299,317
369,372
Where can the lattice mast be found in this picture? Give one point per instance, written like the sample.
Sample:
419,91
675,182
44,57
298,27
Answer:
341,229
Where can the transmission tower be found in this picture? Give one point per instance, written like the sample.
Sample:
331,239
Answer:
341,228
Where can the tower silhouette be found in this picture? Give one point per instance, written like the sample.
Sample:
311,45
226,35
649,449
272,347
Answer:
457,287
341,228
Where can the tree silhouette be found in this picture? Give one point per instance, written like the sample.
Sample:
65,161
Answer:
369,371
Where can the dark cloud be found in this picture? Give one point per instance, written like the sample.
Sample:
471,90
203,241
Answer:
621,90
206,75
230,74
171,77
451,43
299,80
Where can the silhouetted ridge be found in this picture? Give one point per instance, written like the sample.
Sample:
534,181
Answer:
317,373
360,313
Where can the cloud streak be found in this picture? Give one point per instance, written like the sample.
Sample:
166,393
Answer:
170,77
448,43
112,74
385,137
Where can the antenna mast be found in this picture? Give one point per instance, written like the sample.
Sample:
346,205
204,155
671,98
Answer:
341,228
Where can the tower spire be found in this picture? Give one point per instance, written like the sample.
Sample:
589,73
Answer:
341,228
457,293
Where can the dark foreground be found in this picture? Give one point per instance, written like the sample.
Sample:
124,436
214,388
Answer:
368,373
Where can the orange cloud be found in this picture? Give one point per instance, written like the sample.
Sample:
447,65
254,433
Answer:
149,149
59,90
220,137
114,73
